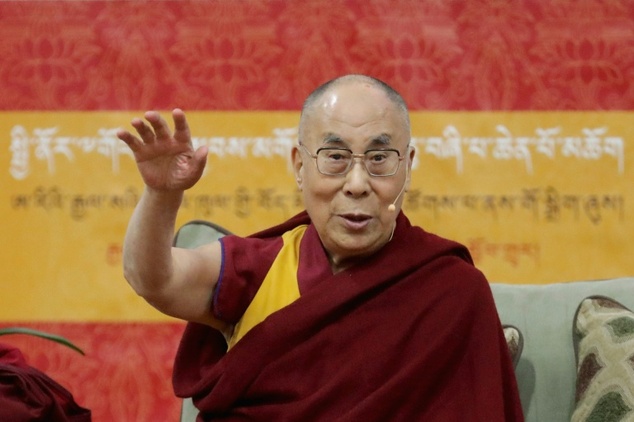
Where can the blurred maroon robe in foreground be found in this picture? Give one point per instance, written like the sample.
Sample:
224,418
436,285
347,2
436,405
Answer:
28,395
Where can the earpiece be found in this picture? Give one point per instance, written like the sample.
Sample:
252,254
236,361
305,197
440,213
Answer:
392,206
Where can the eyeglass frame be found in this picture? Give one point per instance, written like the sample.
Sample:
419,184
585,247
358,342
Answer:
361,156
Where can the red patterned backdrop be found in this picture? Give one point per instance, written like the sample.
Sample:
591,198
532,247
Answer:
267,55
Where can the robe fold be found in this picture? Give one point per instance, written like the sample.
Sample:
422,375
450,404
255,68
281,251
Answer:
409,334
27,394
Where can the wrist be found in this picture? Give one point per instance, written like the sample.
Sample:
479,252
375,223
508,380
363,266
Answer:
164,198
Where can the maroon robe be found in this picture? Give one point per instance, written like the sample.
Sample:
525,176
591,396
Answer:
410,334
27,394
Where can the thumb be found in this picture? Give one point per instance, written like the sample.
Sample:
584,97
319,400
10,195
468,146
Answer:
200,160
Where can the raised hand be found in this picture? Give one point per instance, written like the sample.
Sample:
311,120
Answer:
166,161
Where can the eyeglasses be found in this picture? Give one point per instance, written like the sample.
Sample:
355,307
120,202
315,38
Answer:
338,161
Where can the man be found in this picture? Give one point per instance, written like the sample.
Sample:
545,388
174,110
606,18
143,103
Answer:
344,312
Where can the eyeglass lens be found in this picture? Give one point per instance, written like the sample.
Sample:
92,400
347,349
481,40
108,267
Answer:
338,161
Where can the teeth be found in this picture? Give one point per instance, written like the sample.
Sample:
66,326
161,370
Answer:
356,217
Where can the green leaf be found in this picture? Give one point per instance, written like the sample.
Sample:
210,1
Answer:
42,334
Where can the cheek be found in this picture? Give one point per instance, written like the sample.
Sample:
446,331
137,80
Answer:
319,198
315,199
388,192
321,189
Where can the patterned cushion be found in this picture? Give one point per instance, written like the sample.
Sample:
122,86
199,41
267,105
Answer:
603,336
514,341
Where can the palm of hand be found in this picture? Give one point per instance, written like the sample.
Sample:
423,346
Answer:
165,161
167,166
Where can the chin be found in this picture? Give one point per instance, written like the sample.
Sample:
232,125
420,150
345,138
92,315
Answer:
352,249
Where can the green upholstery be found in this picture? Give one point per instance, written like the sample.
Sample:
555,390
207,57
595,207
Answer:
188,411
546,372
198,232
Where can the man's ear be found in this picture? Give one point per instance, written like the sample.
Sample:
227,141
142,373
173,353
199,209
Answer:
411,152
298,166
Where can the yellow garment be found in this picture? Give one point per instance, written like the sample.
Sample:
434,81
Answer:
279,288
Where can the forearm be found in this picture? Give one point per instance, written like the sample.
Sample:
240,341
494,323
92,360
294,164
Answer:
147,249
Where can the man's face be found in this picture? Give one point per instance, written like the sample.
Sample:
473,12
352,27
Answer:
350,212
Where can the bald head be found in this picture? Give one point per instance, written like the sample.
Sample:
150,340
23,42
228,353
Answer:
320,93
353,210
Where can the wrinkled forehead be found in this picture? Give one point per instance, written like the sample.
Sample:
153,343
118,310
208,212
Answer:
355,108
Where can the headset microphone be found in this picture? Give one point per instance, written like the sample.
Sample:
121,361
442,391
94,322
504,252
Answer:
392,206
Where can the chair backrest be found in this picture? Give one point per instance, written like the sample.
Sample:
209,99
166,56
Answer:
544,313
191,235
198,232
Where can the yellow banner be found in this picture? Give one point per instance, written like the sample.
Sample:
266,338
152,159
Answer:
537,197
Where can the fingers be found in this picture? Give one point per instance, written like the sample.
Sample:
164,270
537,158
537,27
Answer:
132,141
157,130
161,129
181,127
145,132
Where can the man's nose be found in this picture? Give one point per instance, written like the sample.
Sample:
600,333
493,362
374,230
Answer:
357,178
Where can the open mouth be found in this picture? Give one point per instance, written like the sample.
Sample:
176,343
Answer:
356,217
356,221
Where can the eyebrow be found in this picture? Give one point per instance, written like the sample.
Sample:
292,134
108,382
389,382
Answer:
331,138
383,139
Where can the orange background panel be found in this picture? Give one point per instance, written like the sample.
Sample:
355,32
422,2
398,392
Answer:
514,187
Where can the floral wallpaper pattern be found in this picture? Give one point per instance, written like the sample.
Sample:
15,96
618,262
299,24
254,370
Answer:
267,55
